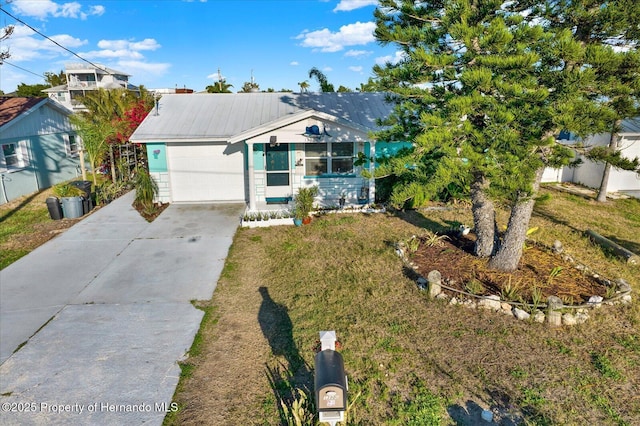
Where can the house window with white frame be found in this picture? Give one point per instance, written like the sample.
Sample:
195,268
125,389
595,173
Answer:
14,156
71,145
331,158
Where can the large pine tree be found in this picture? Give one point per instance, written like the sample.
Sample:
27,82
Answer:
483,88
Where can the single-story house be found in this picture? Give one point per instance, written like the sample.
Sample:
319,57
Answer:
589,173
39,146
259,148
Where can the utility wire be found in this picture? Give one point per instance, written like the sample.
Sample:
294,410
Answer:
24,69
55,42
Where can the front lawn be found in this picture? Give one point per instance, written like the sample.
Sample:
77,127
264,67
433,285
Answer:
409,360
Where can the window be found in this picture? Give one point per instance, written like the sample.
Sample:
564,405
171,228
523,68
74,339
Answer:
14,156
328,158
71,145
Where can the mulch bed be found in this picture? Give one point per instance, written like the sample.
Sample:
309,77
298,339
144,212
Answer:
538,268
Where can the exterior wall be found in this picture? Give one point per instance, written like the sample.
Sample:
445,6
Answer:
354,187
43,133
589,173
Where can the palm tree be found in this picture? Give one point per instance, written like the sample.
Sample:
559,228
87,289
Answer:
325,86
304,86
219,87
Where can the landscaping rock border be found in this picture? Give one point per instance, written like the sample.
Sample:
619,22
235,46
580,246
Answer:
554,312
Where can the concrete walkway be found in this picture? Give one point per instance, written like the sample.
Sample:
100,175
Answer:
103,313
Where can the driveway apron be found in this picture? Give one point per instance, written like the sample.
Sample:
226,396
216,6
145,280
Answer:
93,323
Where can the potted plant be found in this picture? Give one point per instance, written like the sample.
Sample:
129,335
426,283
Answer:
303,203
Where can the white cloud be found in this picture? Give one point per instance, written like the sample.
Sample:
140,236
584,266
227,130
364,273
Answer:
393,59
25,45
109,53
123,49
97,10
139,68
355,69
327,69
69,10
294,63
355,53
41,9
359,33
347,5
146,44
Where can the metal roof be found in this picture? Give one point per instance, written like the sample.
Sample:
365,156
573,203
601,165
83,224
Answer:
630,125
220,117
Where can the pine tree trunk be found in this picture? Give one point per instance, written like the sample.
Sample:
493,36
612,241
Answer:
604,183
484,217
510,251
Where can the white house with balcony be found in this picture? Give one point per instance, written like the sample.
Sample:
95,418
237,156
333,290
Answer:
84,78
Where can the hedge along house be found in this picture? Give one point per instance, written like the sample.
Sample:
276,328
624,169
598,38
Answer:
39,146
259,148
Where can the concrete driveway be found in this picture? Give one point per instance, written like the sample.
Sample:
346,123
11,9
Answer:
93,322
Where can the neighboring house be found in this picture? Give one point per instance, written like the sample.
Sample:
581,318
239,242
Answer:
589,173
39,146
259,148
82,79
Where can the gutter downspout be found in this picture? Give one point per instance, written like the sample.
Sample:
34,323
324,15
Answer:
252,177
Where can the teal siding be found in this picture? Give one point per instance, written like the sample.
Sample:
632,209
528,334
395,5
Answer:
389,149
48,164
157,156
258,157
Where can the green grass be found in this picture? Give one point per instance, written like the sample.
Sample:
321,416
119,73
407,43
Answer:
410,359
17,222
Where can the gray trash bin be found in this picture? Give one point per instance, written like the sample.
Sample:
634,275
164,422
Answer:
72,207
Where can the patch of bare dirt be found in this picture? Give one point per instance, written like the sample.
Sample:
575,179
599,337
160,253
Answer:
42,232
539,268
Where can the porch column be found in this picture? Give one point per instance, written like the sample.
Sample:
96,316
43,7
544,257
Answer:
252,177
372,170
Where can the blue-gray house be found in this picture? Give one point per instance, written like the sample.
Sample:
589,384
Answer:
39,146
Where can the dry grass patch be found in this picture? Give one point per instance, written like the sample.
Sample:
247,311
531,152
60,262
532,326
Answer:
406,357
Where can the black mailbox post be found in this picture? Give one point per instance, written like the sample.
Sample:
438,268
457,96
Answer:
330,386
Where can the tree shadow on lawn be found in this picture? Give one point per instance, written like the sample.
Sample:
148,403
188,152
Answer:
294,374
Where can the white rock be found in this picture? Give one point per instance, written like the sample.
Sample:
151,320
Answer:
453,301
490,302
538,316
568,319
469,304
506,311
595,301
581,317
521,314
505,306
626,298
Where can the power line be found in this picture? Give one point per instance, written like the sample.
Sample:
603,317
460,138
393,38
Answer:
24,69
55,42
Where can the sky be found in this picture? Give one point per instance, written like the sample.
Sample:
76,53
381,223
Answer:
183,43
